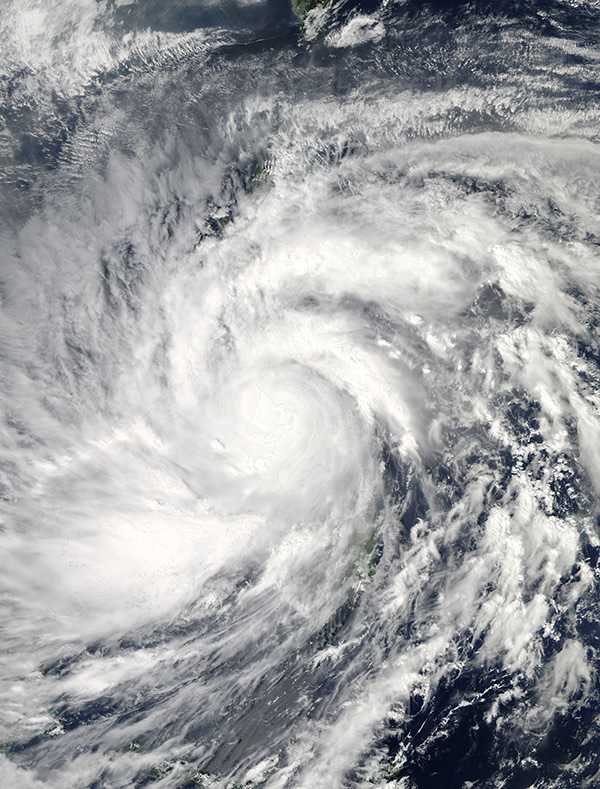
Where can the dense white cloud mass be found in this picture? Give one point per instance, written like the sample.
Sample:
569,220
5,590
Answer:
299,394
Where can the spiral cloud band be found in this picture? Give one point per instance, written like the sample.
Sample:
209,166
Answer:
299,389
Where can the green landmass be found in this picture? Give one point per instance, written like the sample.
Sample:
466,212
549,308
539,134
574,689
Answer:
302,7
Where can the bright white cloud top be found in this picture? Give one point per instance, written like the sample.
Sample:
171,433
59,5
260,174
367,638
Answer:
299,390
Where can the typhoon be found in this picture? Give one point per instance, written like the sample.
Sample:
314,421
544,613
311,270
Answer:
299,394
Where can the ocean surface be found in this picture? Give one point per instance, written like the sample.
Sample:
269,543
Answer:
299,394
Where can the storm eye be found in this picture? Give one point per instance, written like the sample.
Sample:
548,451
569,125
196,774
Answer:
299,408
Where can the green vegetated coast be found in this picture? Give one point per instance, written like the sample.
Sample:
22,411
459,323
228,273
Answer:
302,7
